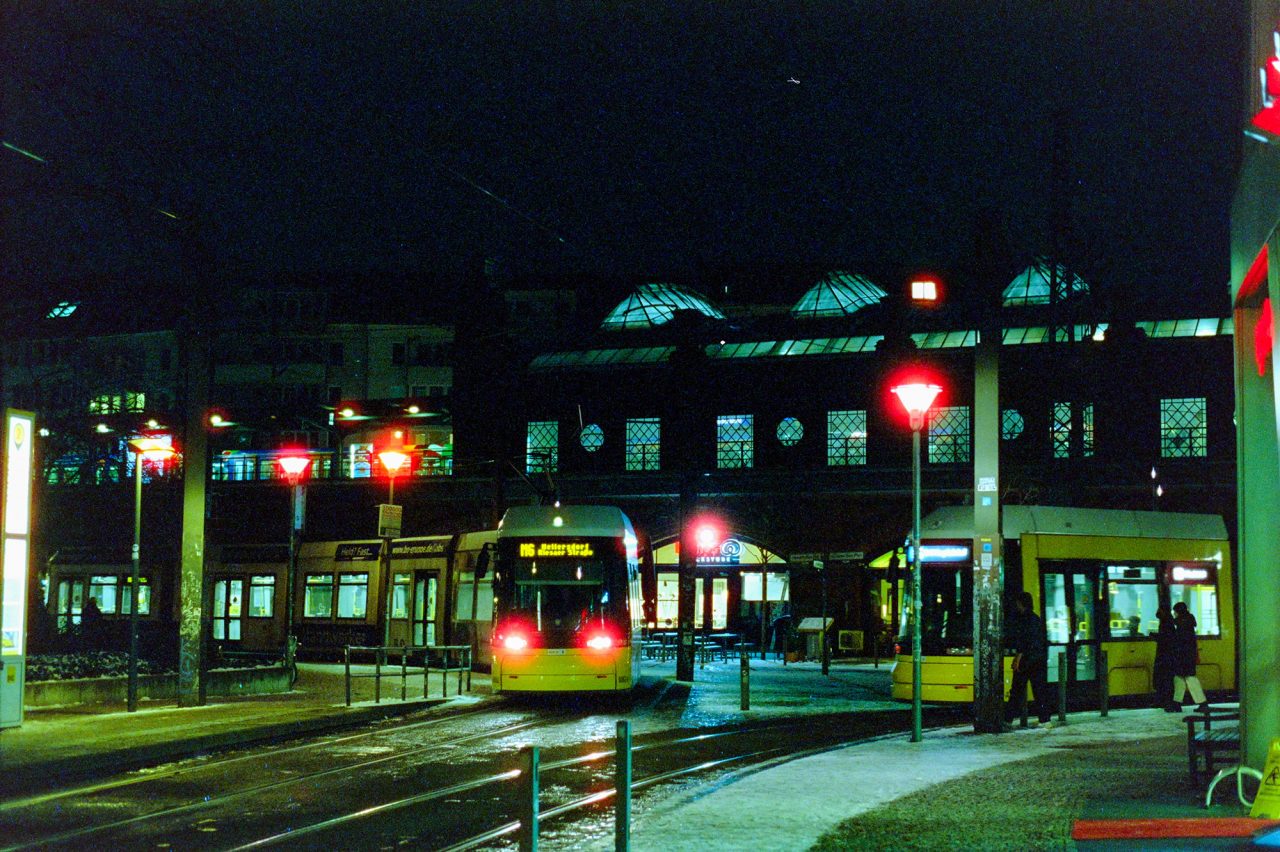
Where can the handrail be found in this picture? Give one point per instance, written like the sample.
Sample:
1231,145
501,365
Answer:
446,654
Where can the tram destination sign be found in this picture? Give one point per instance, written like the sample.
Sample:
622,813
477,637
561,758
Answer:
556,549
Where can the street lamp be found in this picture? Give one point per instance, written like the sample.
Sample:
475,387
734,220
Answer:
916,398
294,463
156,449
392,459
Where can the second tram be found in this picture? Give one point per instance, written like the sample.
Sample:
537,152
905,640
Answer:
1096,576
567,603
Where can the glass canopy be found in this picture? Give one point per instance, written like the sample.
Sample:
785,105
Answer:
654,304
837,294
1031,286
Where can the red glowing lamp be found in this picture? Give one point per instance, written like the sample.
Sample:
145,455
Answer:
393,460
294,465
917,398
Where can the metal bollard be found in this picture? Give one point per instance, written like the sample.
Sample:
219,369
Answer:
346,662
1104,682
1062,687
529,817
622,809
745,681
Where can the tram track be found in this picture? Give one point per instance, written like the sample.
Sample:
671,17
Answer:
221,799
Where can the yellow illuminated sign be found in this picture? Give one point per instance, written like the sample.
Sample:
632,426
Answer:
556,549
14,548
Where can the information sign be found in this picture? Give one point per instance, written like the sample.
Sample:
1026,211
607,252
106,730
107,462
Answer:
389,517
19,435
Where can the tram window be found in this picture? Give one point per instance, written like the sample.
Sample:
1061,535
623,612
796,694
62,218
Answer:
400,596
353,593
1133,595
1203,603
262,595
144,596
102,590
462,605
318,600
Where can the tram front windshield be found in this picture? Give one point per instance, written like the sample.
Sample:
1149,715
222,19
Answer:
561,597
946,598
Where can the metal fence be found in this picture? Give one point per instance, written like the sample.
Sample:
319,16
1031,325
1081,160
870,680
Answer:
407,662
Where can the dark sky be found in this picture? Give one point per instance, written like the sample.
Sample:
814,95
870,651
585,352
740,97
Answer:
643,138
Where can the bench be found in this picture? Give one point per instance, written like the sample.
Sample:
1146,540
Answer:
1213,736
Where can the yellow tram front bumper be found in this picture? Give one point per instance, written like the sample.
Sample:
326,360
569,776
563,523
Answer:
562,670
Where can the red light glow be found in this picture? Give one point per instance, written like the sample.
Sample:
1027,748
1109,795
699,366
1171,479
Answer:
515,642
600,642
1264,337
707,537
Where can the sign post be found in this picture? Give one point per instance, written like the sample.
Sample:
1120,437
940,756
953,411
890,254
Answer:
389,517
19,436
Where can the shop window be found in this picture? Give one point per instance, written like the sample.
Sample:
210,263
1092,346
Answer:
1133,594
262,595
949,435
353,595
1011,424
592,437
542,441
1183,428
644,439
226,609
1061,429
317,601
846,438
103,592
719,603
790,431
400,596
734,448
667,614
779,586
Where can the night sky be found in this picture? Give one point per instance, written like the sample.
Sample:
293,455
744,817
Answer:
645,139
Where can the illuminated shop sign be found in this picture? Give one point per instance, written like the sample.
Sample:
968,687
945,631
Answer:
1195,574
940,553
419,549
728,553
556,550
357,552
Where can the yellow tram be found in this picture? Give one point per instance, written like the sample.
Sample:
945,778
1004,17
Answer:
567,602
1096,576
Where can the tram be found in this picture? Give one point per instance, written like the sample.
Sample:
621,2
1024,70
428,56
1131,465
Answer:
1096,577
567,602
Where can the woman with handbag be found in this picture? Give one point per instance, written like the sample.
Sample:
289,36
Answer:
1186,655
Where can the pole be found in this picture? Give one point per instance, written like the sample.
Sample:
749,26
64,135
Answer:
622,812
291,580
529,822
386,566
826,656
744,681
915,578
134,582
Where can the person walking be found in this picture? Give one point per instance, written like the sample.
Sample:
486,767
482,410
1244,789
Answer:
1027,638
1162,669
1186,655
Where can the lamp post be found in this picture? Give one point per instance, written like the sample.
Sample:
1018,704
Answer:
156,449
294,464
392,460
916,398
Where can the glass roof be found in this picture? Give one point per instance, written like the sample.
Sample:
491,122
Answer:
654,304
1031,286
837,294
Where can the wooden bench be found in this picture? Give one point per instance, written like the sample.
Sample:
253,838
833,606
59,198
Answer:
1213,736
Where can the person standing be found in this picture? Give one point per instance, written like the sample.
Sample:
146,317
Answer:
1162,669
1185,656
1027,638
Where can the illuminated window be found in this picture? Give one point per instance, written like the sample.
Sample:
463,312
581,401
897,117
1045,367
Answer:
102,591
1202,601
1061,429
62,309
790,431
846,438
592,437
1011,424
144,595
949,435
262,595
353,594
400,596
668,598
1183,428
644,437
318,600
924,291
734,448
1132,599
118,403
542,442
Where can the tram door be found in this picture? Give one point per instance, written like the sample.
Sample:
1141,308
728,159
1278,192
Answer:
71,596
424,608
1070,593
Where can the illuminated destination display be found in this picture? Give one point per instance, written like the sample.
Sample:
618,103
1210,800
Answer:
1200,573
556,549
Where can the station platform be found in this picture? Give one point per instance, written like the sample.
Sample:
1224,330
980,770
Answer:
1119,782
